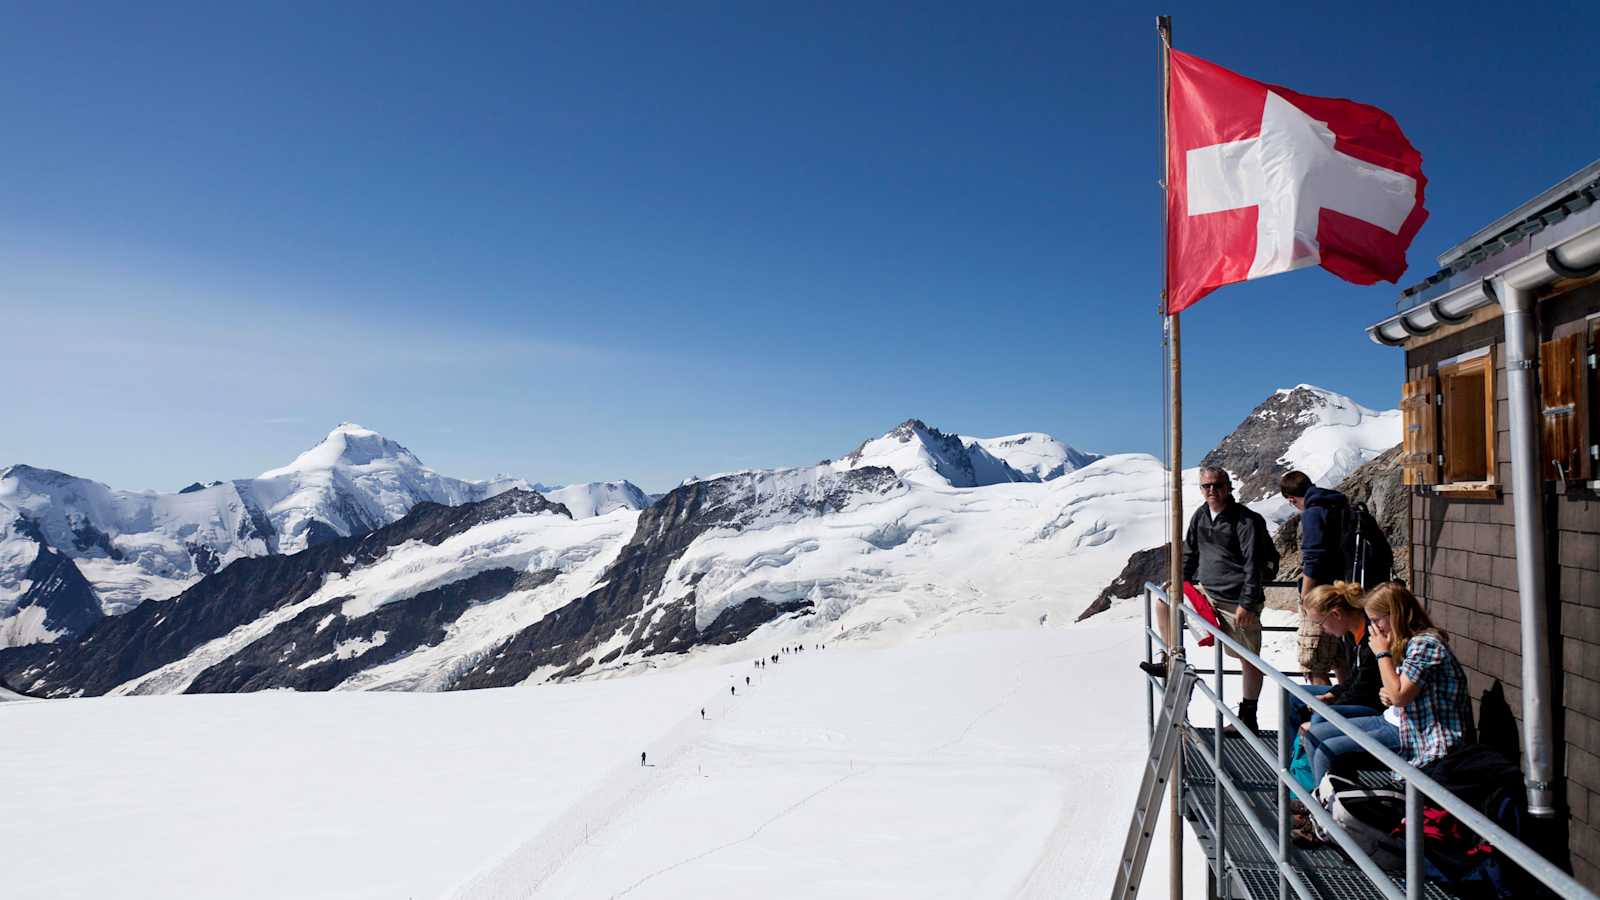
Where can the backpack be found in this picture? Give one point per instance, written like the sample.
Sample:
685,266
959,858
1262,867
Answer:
1266,552
1369,816
1369,560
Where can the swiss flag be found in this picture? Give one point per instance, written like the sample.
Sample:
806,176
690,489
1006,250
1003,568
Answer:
1262,180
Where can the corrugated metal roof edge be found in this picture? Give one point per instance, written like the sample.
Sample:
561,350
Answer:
1572,196
1584,177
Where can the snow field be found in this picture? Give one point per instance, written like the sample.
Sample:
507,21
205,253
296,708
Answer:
975,764
333,795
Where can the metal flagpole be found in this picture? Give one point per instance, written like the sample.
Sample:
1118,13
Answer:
1175,424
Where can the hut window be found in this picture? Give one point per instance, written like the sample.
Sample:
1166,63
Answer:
1466,407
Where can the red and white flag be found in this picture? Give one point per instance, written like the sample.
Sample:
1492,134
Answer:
1262,180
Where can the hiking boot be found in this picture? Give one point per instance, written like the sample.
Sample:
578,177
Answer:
1247,714
1157,668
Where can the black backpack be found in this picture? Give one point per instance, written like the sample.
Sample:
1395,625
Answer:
1266,551
1368,558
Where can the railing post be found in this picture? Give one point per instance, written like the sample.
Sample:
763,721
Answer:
1216,737
1149,656
1283,794
1413,842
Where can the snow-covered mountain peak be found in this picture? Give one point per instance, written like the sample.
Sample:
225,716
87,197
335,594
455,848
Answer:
1035,454
1322,433
596,498
348,446
1314,405
143,545
921,453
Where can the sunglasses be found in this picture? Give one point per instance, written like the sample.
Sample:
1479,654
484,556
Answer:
1214,485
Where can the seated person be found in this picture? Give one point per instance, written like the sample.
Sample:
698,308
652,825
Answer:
1430,713
1336,609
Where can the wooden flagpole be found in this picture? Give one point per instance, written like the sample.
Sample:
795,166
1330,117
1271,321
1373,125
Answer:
1175,460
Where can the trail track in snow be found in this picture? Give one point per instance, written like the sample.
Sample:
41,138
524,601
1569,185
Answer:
602,819
524,871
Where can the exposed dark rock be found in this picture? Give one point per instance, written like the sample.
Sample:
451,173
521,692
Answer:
13,688
86,537
255,523
204,558
154,633
1143,566
735,623
320,532
303,653
68,600
1252,450
192,488
569,634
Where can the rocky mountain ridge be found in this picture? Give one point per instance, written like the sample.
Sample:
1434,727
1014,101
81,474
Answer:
131,546
517,589
505,596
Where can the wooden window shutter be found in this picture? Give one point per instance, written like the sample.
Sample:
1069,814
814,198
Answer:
1564,402
1467,419
1419,456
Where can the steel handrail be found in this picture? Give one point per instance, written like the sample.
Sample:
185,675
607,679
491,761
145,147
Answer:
1416,782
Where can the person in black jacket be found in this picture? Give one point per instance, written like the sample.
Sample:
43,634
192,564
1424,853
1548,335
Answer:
1221,557
1322,521
1337,610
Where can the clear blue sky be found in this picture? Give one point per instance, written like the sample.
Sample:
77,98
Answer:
583,241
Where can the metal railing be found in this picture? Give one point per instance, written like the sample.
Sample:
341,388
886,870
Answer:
1417,785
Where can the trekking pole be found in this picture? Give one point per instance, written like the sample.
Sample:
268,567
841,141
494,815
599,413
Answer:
1360,548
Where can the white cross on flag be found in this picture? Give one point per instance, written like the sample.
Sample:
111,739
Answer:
1262,180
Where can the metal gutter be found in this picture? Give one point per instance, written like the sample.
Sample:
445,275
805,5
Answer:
1571,254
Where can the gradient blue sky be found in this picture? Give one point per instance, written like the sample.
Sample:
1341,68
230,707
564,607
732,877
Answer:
586,241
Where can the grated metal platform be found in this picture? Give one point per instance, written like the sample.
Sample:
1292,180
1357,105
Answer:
1252,868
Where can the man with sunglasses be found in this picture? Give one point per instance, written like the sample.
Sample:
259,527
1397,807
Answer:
1221,556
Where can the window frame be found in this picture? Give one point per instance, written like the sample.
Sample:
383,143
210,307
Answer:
1481,365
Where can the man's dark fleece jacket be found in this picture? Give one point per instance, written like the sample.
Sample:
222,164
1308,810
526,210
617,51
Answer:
1322,535
1223,554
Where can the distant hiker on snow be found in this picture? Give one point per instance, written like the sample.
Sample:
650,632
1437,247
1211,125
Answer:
702,712
733,690
747,680
641,757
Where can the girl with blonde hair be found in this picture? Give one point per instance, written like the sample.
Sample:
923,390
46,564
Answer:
1421,678
1336,610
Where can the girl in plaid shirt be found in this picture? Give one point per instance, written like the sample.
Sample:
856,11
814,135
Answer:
1421,678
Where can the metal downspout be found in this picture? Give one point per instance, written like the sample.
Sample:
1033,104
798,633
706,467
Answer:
1527,495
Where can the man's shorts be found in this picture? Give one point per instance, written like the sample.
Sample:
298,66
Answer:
1228,613
1320,652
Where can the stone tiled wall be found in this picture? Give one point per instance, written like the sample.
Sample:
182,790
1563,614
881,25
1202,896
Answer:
1464,570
